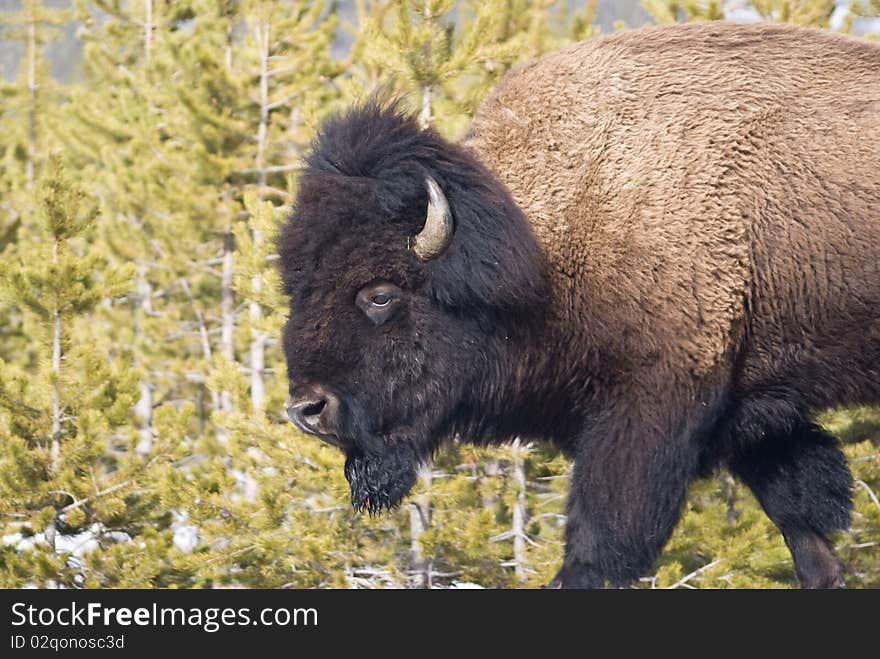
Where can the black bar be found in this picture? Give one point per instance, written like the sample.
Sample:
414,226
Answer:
249,620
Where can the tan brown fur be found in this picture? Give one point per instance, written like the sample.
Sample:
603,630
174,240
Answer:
677,176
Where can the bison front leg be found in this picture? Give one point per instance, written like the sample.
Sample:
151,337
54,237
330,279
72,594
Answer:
629,482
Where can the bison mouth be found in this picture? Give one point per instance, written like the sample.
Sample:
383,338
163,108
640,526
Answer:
330,438
379,481
380,468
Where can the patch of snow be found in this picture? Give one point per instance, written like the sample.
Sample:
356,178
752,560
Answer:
741,13
186,536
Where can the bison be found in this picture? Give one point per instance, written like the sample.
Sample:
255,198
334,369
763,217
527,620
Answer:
658,250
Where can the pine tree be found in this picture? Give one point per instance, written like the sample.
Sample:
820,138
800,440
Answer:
119,78
582,24
34,25
807,13
292,90
69,477
241,107
26,104
672,11
245,94
444,65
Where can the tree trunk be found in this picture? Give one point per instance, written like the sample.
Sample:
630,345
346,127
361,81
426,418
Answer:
207,353
419,521
519,511
227,311
144,406
258,337
55,449
144,411
728,490
143,299
425,116
148,29
258,345
32,95
227,273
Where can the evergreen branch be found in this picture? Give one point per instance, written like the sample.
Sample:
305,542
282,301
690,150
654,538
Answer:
268,190
869,491
507,535
12,212
282,101
203,331
558,517
859,545
237,552
64,492
514,564
423,515
281,70
271,169
683,582
329,509
13,404
81,502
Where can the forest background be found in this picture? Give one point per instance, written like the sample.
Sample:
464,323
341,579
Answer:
149,149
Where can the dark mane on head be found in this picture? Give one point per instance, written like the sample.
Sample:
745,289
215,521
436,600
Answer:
493,262
370,139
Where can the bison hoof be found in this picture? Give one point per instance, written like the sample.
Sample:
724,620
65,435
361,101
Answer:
829,580
815,563
836,583
576,576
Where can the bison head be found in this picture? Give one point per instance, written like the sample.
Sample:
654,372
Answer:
411,272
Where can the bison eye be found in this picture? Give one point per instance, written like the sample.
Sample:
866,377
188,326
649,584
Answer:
379,301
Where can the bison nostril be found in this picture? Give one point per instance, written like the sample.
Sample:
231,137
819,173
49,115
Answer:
314,409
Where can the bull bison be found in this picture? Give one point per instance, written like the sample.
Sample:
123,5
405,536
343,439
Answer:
659,250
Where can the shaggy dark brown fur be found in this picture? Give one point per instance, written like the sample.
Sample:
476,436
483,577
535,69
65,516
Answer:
673,264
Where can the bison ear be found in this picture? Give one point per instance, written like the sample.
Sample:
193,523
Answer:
437,231
494,264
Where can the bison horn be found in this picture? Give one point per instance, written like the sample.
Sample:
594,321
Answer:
434,237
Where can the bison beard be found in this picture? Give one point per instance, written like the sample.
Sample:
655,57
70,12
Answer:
379,481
